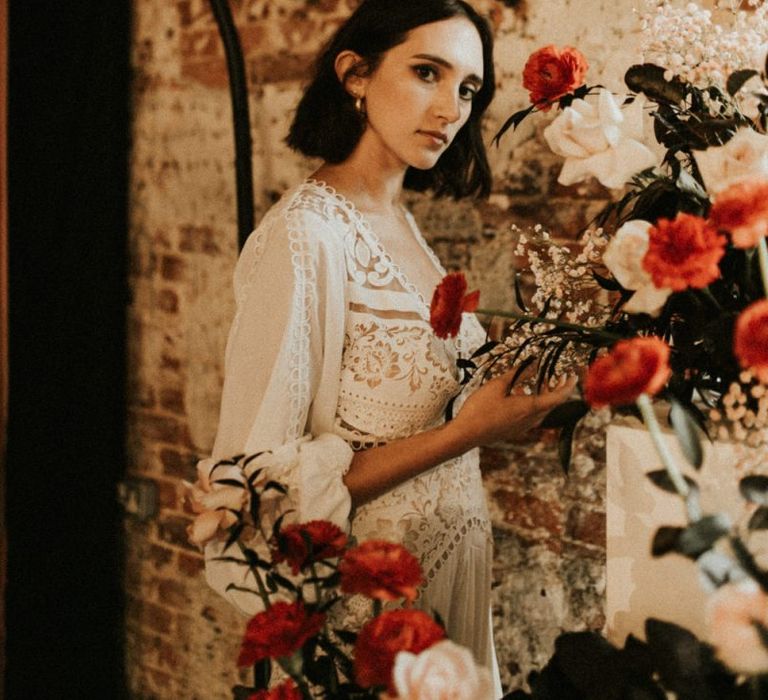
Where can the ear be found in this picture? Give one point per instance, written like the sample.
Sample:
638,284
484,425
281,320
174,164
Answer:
344,63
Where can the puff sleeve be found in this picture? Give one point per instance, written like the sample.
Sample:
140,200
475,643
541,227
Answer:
282,367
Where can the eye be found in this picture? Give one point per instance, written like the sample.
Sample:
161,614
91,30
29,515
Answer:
467,92
426,72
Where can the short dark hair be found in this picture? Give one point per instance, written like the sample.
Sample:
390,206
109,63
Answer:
328,126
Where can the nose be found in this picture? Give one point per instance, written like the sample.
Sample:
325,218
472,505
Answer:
447,104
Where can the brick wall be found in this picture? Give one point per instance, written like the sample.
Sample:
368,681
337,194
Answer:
550,531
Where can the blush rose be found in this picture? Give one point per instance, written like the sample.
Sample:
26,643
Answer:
380,570
444,671
632,367
449,301
552,72
381,639
744,157
732,612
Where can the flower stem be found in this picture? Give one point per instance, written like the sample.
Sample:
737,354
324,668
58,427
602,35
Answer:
551,321
762,252
649,418
263,594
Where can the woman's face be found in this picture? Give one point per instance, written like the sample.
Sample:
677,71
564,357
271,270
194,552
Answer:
421,93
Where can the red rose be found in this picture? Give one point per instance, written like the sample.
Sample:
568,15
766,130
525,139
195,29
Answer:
277,632
380,570
683,253
551,73
750,339
305,543
632,367
448,303
287,690
382,638
742,210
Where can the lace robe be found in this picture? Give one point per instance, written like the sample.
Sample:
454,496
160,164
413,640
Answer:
331,340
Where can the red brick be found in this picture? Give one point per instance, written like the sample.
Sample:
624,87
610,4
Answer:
198,239
156,617
172,268
178,464
174,594
168,301
170,363
172,400
173,530
587,527
152,427
529,512
191,565
168,494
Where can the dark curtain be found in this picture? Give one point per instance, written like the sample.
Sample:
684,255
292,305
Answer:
68,148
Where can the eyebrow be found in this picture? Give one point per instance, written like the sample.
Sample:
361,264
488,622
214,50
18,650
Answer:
446,64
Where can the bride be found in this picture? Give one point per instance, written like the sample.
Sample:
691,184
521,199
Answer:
331,344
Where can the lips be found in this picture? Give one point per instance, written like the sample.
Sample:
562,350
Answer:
436,135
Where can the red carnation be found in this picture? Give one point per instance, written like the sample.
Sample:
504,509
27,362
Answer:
742,210
279,631
448,303
305,543
287,690
632,367
750,339
380,570
383,637
551,73
683,253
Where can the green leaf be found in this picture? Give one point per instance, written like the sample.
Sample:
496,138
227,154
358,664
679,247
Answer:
513,122
687,434
649,79
665,540
568,412
754,488
759,519
703,534
737,80
661,478
262,674
519,294
565,446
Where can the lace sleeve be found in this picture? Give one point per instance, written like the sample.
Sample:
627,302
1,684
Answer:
283,349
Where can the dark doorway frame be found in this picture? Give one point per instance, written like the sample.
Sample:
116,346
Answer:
68,122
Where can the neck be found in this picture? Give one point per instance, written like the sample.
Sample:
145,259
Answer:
374,182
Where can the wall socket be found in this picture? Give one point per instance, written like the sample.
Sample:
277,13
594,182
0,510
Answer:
138,497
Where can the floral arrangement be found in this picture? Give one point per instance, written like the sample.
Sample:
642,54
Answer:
666,298
303,574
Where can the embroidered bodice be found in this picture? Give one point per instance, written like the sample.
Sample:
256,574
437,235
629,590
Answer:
396,379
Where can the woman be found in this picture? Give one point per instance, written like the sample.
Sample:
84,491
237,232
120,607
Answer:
331,345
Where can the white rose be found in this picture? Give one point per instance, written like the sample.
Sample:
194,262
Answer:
731,616
603,140
444,671
624,258
744,156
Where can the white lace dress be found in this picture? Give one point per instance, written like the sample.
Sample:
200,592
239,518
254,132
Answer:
380,375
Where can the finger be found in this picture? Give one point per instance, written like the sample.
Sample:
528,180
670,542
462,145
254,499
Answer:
561,392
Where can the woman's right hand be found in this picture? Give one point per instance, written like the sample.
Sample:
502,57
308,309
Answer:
493,414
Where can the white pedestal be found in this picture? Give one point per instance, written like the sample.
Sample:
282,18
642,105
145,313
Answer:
640,585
